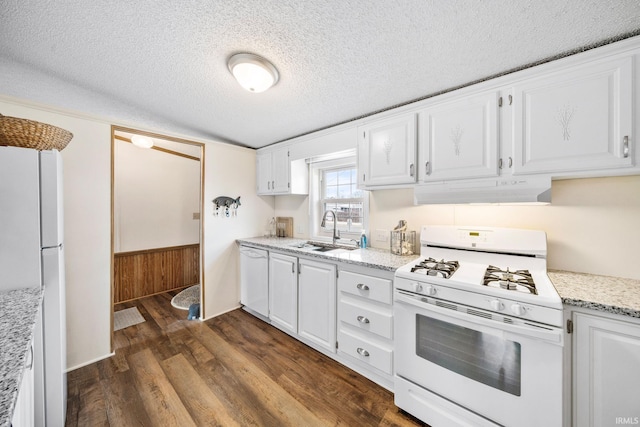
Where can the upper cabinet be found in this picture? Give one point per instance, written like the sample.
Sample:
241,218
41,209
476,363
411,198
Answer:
387,151
277,174
459,139
579,119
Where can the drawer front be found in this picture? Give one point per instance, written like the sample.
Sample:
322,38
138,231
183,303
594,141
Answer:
377,322
367,352
370,287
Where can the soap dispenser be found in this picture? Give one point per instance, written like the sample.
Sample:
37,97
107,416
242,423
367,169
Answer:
363,240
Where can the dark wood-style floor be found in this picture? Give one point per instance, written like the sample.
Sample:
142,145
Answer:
233,370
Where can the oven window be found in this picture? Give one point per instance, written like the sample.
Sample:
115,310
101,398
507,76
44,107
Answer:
476,355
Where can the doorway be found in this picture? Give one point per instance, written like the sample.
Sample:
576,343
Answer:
156,216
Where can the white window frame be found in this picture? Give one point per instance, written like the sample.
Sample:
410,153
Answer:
316,200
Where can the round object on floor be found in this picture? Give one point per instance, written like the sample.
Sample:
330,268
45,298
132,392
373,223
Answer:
185,298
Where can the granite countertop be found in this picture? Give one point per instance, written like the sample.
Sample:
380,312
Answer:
603,293
369,257
18,310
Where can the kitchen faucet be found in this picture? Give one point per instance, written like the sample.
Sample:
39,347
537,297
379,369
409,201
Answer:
336,233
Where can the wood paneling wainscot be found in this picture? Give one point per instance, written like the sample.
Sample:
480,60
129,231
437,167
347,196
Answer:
152,271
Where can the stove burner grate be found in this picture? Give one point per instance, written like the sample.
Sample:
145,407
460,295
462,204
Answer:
431,267
519,280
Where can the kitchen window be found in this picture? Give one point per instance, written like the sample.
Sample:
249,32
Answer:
334,187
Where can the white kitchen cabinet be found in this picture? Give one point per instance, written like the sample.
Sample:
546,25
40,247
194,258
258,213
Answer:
365,320
254,279
578,119
459,139
277,174
283,291
387,152
317,303
606,357
24,410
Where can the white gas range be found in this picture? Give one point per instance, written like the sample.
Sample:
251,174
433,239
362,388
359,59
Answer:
478,329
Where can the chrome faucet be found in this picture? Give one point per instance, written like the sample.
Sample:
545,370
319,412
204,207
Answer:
336,233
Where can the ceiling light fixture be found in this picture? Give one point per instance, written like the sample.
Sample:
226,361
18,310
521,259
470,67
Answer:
141,141
253,72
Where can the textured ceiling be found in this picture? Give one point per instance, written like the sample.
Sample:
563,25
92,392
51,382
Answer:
338,60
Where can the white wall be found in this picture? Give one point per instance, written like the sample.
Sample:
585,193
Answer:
591,224
156,195
87,240
229,170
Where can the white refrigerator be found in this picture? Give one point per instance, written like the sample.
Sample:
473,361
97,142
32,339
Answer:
32,255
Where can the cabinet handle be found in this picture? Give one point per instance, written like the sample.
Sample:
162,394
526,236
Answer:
362,352
293,268
411,169
362,287
510,99
362,319
510,162
268,185
426,169
273,185
363,176
500,163
625,146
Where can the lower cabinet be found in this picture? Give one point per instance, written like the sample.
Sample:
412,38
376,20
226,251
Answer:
283,291
317,303
24,410
365,321
341,310
606,373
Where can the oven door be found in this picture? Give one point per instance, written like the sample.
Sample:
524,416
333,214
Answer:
507,373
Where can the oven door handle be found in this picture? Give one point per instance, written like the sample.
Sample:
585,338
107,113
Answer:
553,334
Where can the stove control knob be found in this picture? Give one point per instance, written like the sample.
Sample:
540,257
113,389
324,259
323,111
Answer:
517,309
430,290
417,287
496,305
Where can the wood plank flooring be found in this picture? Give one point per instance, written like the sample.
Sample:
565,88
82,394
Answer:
233,370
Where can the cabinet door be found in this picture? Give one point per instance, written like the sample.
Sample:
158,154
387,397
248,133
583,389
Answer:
280,171
317,303
283,291
263,173
459,139
606,360
254,279
576,120
387,151
23,413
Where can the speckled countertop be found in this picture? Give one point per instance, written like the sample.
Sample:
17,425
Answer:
370,257
603,293
18,309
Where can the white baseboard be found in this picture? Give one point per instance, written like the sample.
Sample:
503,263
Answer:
89,362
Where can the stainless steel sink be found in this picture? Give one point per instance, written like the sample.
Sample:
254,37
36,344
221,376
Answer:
322,247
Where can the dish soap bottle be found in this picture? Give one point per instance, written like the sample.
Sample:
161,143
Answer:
363,240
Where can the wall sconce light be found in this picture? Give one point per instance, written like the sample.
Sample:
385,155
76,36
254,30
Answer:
253,72
141,141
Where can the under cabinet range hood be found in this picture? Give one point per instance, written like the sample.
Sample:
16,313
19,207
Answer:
495,190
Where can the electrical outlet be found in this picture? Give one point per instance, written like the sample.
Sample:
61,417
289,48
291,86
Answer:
196,215
382,235
299,229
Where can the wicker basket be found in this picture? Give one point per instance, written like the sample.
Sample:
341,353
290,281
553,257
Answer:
25,133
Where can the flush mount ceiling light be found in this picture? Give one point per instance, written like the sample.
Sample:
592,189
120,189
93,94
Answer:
141,141
253,72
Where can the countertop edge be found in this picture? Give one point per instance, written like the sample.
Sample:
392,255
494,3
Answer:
598,293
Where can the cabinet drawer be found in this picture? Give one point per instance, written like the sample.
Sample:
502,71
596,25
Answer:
370,287
377,322
367,352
